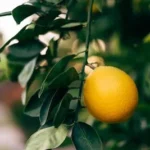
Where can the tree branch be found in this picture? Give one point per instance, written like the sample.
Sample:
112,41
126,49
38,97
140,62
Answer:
8,13
88,35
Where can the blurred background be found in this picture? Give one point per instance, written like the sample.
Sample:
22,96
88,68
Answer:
120,37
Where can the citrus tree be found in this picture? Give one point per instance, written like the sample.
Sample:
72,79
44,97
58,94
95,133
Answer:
61,84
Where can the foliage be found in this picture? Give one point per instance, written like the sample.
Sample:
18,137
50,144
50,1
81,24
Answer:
51,81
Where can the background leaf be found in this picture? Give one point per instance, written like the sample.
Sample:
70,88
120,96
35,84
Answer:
85,137
57,69
62,110
23,11
51,99
27,49
64,79
47,138
26,73
33,107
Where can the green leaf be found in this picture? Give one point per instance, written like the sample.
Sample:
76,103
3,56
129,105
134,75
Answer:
53,46
57,69
46,106
23,11
63,24
85,137
18,61
45,20
33,106
72,25
52,98
14,37
62,110
27,72
47,138
70,119
64,79
27,34
54,1
27,49
8,13
33,86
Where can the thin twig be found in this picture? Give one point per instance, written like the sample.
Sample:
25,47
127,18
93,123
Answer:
80,52
88,35
8,13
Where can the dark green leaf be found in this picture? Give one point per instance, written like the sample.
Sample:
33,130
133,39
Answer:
8,13
46,106
27,34
64,79
46,2
33,103
52,98
47,138
45,20
57,69
72,25
14,37
62,110
26,73
26,49
54,1
18,61
33,106
53,46
58,23
85,137
48,124
63,24
70,119
23,11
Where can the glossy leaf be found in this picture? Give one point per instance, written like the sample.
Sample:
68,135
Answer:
26,73
53,47
33,106
70,119
63,24
18,61
27,34
57,69
26,49
54,1
52,98
47,138
72,25
14,37
45,20
23,11
64,79
33,85
62,110
85,137
46,106
33,103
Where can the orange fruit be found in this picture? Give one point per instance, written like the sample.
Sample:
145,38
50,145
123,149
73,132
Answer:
110,94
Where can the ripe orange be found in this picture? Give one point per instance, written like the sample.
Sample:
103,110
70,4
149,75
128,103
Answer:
110,94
